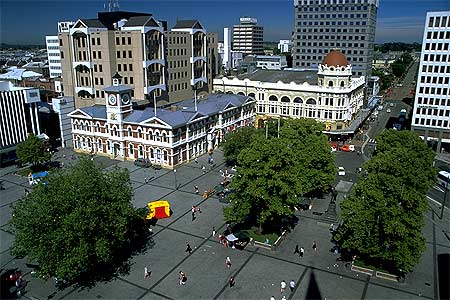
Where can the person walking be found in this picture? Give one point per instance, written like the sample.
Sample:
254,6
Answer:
228,262
214,231
193,213
196,189
188,248
231,281
302,251
182,278
272,298
297,250
203,169
292,285
146,273
314,246
283,286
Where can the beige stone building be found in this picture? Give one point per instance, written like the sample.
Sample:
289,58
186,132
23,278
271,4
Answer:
161,66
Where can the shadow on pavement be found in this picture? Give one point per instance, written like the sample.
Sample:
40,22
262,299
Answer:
313,291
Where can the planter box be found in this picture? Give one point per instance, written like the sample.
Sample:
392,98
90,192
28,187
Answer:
362,270
387,276
270,247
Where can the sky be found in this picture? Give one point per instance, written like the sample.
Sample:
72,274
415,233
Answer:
27,22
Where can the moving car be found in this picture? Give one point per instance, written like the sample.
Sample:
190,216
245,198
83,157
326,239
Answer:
341,171
347,148
142,162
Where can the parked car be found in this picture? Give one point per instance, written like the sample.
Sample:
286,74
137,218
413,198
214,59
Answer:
388,110
391,104
347,148
334,146
341,171
142,162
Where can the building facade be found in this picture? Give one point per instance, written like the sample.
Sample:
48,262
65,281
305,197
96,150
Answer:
285,46
54,56
330,95
248,37
431,114
323,25
18,115
271,62
167,137
139,48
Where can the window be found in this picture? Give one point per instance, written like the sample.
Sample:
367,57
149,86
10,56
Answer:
117,41
130,54
124,54
98,41
99,54
123,40
129,40
118,54
119,67
131,80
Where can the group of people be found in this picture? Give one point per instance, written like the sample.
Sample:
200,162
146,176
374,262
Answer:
195,209
283,286
301,251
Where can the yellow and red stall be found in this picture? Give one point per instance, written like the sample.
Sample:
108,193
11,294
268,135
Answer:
158,210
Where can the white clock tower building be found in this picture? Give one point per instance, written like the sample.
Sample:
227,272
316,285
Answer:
118,106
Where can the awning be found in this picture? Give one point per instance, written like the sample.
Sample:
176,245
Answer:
232,238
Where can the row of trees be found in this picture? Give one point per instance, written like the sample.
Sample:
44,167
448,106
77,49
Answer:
275,167
384,216
400,66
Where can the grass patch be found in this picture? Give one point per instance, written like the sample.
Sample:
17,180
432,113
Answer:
364,264
24,172
261,237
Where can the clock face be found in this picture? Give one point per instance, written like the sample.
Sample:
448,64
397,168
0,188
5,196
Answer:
125,98
112,100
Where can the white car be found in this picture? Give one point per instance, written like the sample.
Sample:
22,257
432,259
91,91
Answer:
388,110
341,171
391,104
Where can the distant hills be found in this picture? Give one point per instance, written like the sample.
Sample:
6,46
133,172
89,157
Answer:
4,46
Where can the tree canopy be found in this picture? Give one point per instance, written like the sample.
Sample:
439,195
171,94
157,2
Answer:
272,173
237,140
81,220
33,151
384,216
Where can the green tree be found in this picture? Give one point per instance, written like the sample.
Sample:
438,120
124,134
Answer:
82,220
384,216
33,151
272,173
237,140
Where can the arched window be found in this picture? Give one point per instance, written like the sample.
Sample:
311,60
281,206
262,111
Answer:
129,131
115,131
252,95
311,111
164,137
141,152
273,98
99,145
330,83
230,92
240,93
165,155
140,133
311,101
342,84
273,104
152,153
130,149
150,135
285,105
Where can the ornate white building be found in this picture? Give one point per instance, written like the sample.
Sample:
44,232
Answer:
167,137
330,95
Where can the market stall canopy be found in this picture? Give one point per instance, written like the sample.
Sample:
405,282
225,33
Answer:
158,210
19,74
232,238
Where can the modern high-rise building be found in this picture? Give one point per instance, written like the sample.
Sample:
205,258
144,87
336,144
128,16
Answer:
53,56
431,115
160,66
324,25
248,37
226,61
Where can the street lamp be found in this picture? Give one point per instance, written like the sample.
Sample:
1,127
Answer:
175,176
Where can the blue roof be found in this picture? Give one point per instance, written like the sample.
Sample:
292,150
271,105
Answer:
186,109
184,113
96,111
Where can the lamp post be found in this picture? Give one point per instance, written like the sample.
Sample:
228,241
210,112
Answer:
175,176
443,202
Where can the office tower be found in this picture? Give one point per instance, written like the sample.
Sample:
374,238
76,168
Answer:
226,62
431,113
324,25
248,36
285,46
53,56
139,48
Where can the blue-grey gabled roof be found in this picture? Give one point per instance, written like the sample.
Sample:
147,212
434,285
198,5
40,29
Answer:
186,109
117,88
96,111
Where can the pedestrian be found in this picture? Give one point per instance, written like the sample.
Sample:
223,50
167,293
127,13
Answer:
232,282
296,249
188,248
203,169
146,273
182,277
314,246
228,262
332,227
292,285
196,189
282,286
196,160
214,231
272,298
146,180
193,213
197,208
302,251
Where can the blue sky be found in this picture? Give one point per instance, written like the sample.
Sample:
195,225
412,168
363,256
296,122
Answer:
26,22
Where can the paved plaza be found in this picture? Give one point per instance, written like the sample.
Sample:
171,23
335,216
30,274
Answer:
258,272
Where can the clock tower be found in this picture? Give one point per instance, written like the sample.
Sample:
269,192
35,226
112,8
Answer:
118,100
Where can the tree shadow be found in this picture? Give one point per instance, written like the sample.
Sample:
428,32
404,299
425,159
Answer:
313,291
139,241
